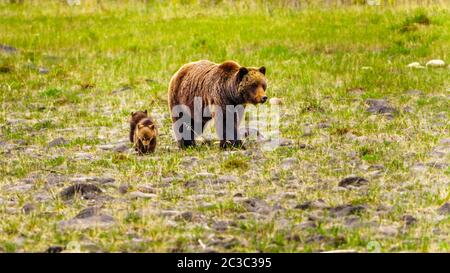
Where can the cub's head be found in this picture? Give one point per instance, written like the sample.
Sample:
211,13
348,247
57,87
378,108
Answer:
252,84
146,133
138,115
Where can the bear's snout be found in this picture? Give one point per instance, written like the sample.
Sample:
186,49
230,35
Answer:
263,99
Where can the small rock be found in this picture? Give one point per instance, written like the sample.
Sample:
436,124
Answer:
82,188
415,65
285,142
414,92
388,230
256,205
275,101
185,216
227,179
138,194
307,130
323,125
28,208
88,212
435,63
124,188
18,188
121,148
444,209
344,210
121,89
205,175
318,204
356,90
7,49
57,142
146,189
43,70
288,163
419,168
220,225
97,221
409,220
380,106
54,249
355,181
289,195
93,179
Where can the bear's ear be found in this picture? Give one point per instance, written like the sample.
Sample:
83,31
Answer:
140,126
145,111
151,126
242,72
132,113
262,69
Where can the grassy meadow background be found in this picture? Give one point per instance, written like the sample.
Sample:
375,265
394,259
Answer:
71,75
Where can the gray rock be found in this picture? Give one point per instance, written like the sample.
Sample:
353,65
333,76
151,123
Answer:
83,189
227,179
88,212
419,168
121,148
388,230
409,220
141,195
355,181
43,70
220,225
444,209
414,92
317,204
348,209
285,142
256,205
288,163
92,179
7,49
124,188
185,216
96,221
380,106
121,89
307,130
18,188
28,208
146,189
57,142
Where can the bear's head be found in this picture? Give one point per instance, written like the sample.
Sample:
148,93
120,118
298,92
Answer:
146,133
252,84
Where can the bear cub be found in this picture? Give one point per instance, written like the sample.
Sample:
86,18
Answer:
143,132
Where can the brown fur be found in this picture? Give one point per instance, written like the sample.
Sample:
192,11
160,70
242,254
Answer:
217,84
145,136
134,119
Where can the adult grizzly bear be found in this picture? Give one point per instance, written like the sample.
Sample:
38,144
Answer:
203,90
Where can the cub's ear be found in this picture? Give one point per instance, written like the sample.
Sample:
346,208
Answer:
145,111
151,126
262,69
242,72
140,126
132,113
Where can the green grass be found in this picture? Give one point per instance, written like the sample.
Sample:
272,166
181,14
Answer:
313,57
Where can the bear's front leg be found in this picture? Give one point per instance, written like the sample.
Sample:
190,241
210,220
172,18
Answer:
228,130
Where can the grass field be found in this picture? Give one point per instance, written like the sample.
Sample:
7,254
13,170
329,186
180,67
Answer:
77,73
